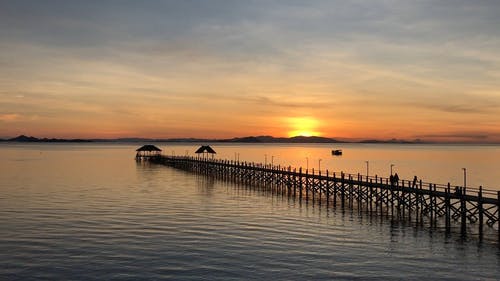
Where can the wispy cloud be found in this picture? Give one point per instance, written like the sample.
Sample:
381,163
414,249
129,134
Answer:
9,117
365,64
464,136
458,107
286,102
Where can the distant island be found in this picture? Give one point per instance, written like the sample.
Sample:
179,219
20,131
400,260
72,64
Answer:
249,139
23,138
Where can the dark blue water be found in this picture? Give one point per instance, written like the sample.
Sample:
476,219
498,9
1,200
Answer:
85,213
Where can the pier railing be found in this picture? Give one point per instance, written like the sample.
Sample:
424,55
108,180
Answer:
415,200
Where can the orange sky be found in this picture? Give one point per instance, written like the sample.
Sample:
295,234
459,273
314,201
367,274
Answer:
221,70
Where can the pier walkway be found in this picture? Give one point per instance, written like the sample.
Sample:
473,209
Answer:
470,209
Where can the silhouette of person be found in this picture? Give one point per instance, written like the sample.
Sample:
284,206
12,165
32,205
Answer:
396,178
414,181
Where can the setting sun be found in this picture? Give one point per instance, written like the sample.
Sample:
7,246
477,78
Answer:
303,126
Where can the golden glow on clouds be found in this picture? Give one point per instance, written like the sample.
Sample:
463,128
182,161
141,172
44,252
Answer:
9,117
194,71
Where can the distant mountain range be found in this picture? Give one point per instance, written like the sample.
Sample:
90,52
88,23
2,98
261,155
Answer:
270,139
249,139
23,138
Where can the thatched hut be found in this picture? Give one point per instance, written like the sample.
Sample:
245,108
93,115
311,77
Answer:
204,150
146,151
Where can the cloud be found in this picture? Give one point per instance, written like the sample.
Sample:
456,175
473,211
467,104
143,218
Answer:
273,102
462,108
9,117
388,60
466,136
470,135
463,104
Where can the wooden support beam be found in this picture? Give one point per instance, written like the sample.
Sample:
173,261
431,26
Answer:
463,211
342,190
370,196
480,210
498,214
392,197
431,203
334,190
320,185
307,185
447,208
327,189
301,182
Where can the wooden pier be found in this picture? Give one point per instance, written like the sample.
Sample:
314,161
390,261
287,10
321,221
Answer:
469,209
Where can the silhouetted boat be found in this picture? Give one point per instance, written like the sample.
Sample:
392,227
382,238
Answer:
337,152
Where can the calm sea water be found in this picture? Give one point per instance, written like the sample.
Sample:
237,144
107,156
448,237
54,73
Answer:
85,212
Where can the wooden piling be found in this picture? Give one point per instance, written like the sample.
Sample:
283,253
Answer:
480,210
431,203
370,196
392,197
307,185
447,208
498,214
463,211
327,187
334,190
301,181
342,190
294,183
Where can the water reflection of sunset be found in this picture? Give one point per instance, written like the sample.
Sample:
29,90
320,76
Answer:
303,126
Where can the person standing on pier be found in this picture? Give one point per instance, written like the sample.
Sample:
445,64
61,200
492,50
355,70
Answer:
396,179
414,181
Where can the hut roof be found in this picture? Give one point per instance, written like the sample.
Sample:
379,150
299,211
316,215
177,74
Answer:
205,148
148,147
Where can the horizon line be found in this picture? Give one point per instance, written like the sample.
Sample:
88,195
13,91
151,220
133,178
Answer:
235,139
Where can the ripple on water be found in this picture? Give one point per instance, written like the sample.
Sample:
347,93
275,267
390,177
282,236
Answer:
159,223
